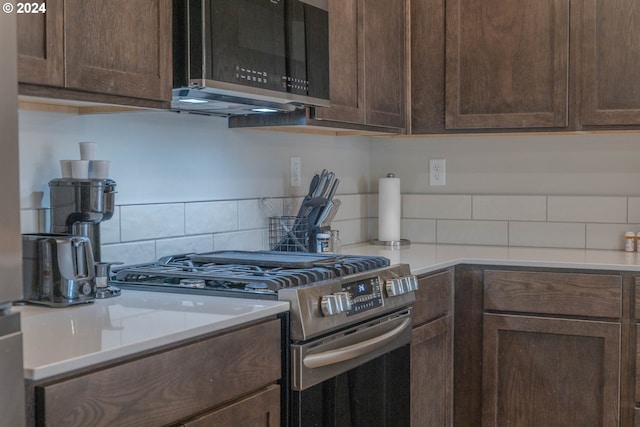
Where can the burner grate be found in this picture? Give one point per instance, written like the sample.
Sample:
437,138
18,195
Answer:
268,276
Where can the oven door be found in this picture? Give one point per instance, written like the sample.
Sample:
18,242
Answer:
358,377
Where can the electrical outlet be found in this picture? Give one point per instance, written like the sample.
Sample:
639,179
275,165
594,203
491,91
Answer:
437,173
295,171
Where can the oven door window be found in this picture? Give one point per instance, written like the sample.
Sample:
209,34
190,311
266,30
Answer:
375,394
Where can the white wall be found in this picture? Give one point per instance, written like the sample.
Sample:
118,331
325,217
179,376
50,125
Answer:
169,157
185,182
576,164
179,173
577,190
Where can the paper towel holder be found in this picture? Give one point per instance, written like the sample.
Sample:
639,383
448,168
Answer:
391,243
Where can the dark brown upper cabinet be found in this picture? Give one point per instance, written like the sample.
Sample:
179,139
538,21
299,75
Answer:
608,78
524,65
366,63
116,51
507,63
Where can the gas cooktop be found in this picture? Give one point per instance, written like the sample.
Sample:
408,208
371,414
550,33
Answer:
241,273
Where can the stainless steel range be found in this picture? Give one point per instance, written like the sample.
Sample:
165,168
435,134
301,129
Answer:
350,324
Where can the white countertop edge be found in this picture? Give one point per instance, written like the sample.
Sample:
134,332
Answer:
517,263
69,365
428,257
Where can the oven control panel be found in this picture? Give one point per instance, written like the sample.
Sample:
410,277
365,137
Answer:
355,297
401,285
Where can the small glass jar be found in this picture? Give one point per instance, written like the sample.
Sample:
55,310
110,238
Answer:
322,243
335,245
629,241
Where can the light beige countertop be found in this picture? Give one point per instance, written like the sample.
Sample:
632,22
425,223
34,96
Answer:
59,340
424,258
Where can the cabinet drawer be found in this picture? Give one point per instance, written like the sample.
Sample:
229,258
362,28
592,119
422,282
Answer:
259,410
573,294
169,386
434,297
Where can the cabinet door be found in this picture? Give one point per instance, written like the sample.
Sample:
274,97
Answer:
259,410
427,66
550,371
166,387
40,46
432,374
610,90
346,63
119,47
506,63
384,62
366,62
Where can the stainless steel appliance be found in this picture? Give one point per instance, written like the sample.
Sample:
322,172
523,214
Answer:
349,332
12,403
78,206
250,56
58,269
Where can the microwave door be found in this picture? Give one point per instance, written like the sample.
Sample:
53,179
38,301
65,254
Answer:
249,40
307,50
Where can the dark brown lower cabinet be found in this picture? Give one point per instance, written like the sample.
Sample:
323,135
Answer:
432,351
224,379
550,372
432,374
259,410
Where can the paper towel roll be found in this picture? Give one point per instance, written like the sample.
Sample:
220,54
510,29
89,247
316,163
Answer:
389,205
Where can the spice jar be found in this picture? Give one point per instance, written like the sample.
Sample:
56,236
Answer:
322,243
335,245
629,241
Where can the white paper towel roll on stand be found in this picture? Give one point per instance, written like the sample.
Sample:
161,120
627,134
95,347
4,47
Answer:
389,212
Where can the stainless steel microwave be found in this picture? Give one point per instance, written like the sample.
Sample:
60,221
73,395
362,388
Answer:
249,56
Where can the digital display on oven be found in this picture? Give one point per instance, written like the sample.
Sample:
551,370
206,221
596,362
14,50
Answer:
365,295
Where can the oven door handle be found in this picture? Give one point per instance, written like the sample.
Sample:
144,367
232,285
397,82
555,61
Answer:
354,350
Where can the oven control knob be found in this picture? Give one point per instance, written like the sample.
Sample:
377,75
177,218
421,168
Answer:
394,287
336,303
344,299
330,305
400,286
412,283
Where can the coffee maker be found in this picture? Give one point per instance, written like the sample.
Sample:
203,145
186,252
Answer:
78,206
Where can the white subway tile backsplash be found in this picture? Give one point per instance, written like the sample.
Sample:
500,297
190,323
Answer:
351,207
140,222
32,220
608,236
361,205
587,209
211,217
419,230
130,253
251,215
352,230
522,208
633,210
249,240
472,232
183,245
504,220
547,234
436,206
110,229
